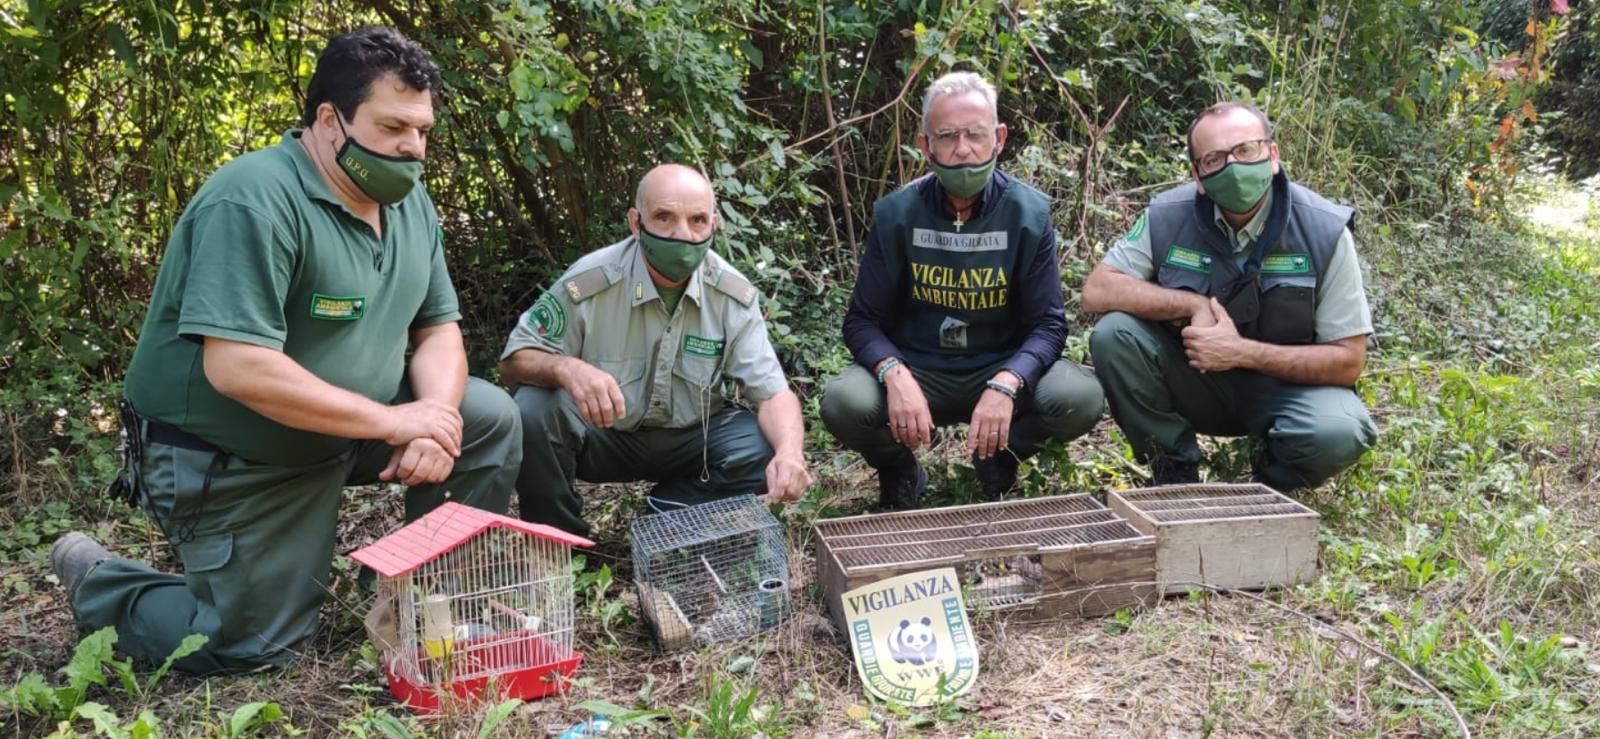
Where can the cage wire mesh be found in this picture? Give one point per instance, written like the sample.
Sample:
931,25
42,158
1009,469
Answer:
711,572
499,603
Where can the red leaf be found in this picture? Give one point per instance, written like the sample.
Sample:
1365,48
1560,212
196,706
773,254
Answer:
1559,7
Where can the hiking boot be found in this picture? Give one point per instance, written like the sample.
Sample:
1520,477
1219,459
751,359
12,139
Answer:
900,487
72,557
1173,472
997,475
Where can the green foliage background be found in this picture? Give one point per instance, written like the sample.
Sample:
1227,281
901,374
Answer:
803,113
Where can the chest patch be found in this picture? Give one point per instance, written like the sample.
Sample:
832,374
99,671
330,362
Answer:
953,333
702,346
958,242
1286,264
332,308
1185,258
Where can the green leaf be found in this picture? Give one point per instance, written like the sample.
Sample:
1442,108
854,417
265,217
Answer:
84,669
619,716
147,727
389,726
497,716
122,46
775,147
103,719
251,716
755,56
190,644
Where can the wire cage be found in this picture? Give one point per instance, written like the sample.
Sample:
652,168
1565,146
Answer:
711,572
473,605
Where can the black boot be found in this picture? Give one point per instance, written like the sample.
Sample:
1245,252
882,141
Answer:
900,486
997,475
1173,472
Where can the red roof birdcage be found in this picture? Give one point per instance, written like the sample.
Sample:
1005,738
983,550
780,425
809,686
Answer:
473,604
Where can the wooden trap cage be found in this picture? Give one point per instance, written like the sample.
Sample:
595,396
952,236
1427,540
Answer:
473,606
1245,536
1065,555
711,572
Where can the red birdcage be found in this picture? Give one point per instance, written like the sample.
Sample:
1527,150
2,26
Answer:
473,605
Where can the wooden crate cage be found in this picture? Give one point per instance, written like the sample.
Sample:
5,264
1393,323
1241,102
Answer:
1065,555
1245,536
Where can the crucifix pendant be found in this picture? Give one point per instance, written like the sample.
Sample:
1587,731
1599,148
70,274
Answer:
959,223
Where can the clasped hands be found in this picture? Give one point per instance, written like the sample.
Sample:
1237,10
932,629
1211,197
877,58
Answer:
1212,342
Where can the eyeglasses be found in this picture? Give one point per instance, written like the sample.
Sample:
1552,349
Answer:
1250,152
947,138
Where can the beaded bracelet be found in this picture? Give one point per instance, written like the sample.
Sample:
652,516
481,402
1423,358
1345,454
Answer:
888,364
1001,388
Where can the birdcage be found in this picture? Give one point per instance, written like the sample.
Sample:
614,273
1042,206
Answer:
711,572
473,605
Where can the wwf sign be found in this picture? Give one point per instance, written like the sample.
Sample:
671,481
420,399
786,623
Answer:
911,639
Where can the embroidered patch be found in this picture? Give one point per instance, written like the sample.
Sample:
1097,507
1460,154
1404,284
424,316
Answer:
1189,259
1286,264
547,318
702,346
331,308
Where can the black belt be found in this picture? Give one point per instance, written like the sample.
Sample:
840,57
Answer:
162,432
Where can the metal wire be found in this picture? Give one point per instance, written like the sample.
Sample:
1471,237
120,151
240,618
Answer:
510,607
711,572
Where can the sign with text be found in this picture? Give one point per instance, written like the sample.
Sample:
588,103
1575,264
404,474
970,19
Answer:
911,639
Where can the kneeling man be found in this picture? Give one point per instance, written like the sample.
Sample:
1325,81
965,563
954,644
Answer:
1235,307
619,370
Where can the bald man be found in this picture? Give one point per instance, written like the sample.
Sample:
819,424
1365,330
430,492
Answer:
633,365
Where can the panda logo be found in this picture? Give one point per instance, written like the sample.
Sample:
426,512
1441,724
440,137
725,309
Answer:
913,643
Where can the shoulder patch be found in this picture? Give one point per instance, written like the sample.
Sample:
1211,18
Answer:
585,285
735,286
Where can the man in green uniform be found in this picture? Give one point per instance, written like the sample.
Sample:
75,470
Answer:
272,371
1235,307
620,370
957,313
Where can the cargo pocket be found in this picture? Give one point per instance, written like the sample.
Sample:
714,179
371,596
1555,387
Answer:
1288,310
205,566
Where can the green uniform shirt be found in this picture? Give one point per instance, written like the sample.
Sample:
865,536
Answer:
1341,299
607,312
266,254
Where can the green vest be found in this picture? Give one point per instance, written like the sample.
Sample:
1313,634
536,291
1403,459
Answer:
958,312
1276,302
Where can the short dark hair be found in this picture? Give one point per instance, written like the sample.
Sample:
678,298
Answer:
1227,107
347,68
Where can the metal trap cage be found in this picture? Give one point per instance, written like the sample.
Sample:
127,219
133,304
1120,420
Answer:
471,605
711,572
1065,554
1244,536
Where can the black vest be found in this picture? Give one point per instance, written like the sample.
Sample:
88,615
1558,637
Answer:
1276,301
956,309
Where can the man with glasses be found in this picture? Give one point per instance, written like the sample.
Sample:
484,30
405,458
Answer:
957,313
1235,307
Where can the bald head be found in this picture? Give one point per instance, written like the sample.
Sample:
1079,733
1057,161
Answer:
674,201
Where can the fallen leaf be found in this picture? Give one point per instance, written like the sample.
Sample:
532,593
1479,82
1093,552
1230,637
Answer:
858,713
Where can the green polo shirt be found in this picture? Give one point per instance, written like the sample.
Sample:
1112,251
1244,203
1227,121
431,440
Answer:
266,254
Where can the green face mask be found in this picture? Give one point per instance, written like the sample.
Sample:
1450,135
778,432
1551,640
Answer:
673,258
1238,186
964,181
385,179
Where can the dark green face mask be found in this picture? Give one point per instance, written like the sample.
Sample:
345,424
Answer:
1238,186
385,179
675,259
966,180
